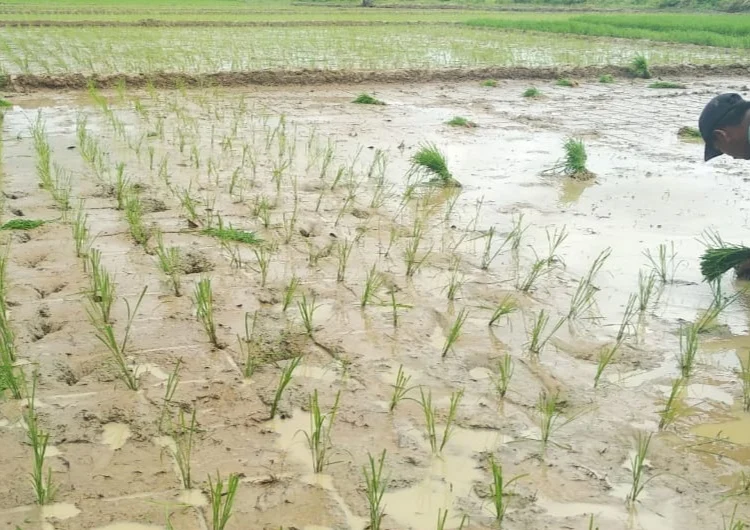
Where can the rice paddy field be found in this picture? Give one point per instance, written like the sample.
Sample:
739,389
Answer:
317,267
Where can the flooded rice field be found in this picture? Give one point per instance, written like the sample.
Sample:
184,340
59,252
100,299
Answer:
368,297
127,50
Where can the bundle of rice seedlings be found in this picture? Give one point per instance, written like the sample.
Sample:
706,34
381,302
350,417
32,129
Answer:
532,92
606,78
716,261
666,84
367,99
689,134
639,67
430,158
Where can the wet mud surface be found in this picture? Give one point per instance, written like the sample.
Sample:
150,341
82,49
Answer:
112,451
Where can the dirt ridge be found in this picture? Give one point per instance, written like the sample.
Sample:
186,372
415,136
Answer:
25,82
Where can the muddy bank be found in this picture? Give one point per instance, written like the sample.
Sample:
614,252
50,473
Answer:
26,82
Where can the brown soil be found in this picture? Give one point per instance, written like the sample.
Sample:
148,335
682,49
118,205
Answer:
322,77
112,450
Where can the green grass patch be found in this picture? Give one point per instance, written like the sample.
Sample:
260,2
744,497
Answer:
532,92
460,121
566,82
489,83
5,104
666,84
232,234
22,224
606,78
367,99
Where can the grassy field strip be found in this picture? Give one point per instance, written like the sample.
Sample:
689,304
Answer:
719,31
204,50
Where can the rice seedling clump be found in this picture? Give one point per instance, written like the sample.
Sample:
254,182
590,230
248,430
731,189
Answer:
689,134
430,158
532,92
460,121
666,84
367,99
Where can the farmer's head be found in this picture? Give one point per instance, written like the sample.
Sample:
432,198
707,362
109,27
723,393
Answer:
724,126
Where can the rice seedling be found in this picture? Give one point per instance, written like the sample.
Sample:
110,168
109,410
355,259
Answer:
190,206
488,256
664,263
400,389
44,490
170,263
592,526
118,350
639,67
666,84
505,370
11,376
716,261
249,346
222,501
284,379
375,486
669,413
289,292
413,264
460,121
122,186
182,434
719,304
443,519
538,269
394,308
575,157
5,104
638,466
554,240
499,490
489,83
455,331
604,359
373,283
516,234
688,349
733,523
229,233
506,306
263,255
566,82
102,293
61,189
22,224
43,154
532,92
169,389
307,310
203,298
626,324
431,159
319,437
366,99
134,216
456,280
289,223
343,251
745,379
606,78
646,285
539,336
429,414
81,231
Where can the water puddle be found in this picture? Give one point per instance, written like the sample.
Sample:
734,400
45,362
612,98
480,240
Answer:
450,476
115,435
143,369
316,372
604,513
735,431
193,498
62,510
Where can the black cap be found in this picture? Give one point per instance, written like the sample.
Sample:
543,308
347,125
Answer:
712,117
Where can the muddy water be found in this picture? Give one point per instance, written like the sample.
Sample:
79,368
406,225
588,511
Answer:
650,189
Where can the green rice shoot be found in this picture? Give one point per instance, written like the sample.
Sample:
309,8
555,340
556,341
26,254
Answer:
639,67
489,83
460,121
689,134
565,82
432,159
606,78
532,92
5,103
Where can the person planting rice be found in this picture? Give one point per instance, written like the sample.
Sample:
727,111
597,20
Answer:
725,127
